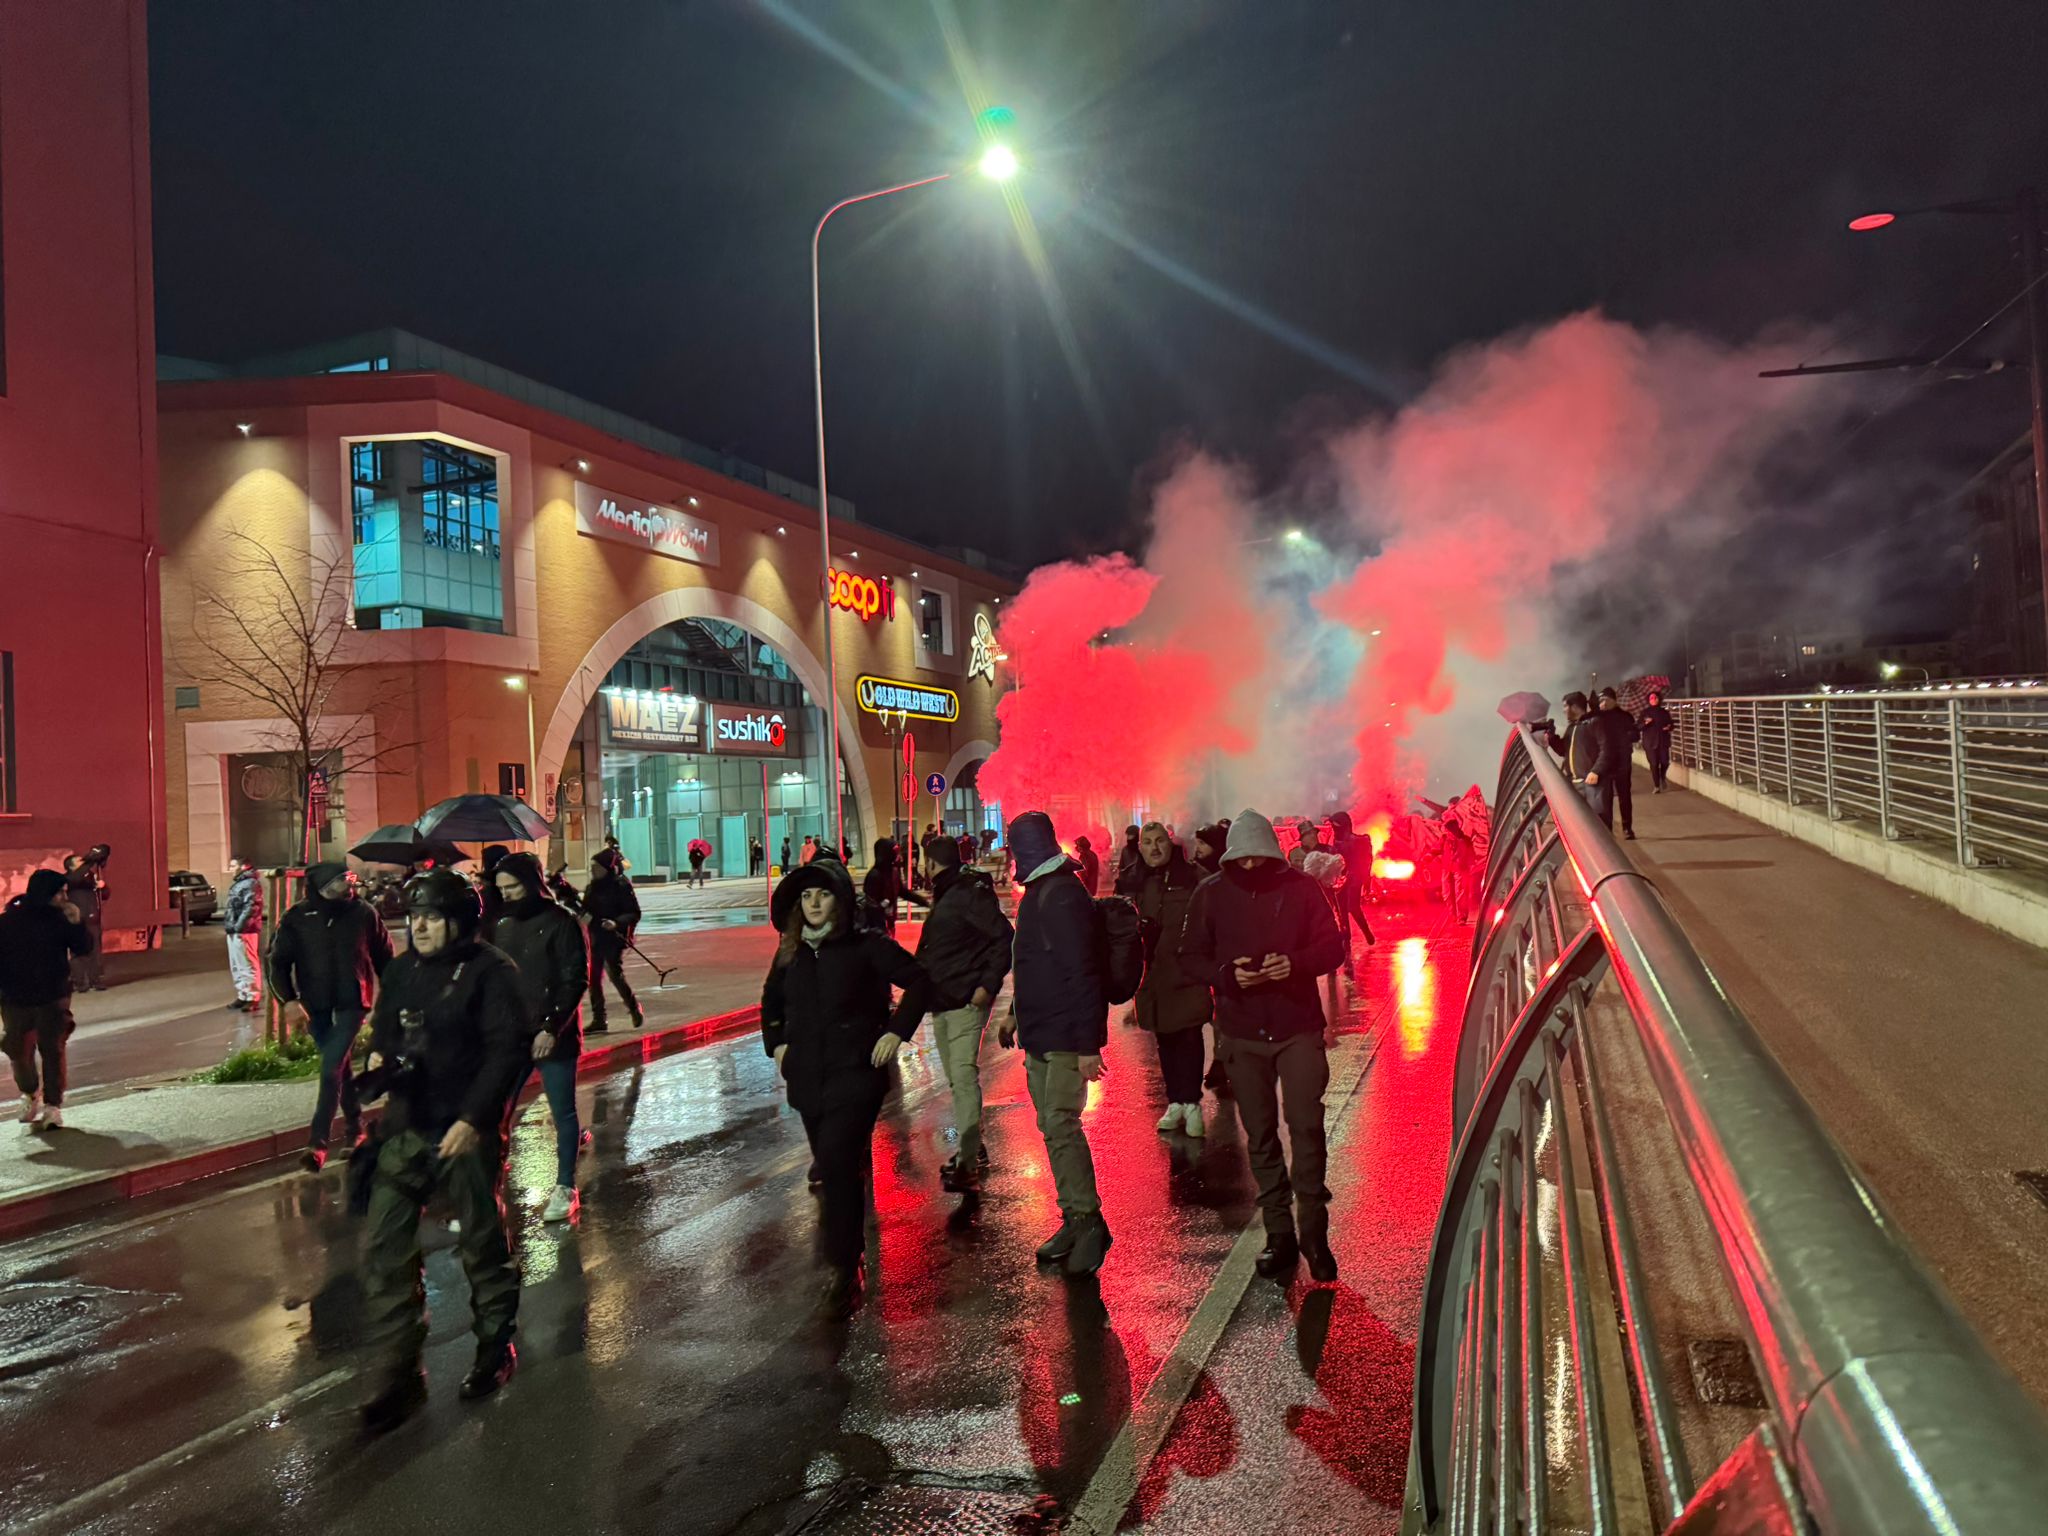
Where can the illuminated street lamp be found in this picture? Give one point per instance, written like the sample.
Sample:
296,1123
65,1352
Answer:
999,163
518,684
1891,669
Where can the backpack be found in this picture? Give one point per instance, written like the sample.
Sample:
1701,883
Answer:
1123,946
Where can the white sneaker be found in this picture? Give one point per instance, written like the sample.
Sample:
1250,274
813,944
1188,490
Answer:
1191,1120
31,1108
53,1118
561,1204
1171,1120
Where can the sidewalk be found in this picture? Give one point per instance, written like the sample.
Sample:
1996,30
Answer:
144,1134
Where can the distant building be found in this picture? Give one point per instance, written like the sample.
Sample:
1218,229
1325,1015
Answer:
2007,633
81,746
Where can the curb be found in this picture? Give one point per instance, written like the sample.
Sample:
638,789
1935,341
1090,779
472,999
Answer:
43,1207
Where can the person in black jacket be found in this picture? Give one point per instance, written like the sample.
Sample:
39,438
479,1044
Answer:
965,950
883,885
82,889
827,1022
1261,934
1171,1003
1059,1016
1128,860
487,890
1620,727
451,1040
1588,752
325,959
1655,725
41,933
547,945
614,912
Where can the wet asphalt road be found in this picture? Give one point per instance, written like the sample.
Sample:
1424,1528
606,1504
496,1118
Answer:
193,1370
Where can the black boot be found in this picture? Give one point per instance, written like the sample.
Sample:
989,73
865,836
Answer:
398,1400
1054,1249
1091,1246
1277,1259
841,1293
1322,1264
495,1362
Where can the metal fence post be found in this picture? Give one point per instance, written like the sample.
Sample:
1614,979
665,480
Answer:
1756,746
1884,772
1827,755
1785,719
1958,805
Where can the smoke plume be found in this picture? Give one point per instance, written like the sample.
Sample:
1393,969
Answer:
1244,662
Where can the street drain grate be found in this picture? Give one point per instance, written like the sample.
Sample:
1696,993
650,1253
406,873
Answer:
1723,1373
862,1509
2034,1181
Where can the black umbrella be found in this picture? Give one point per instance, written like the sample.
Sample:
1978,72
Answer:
403,844
484,819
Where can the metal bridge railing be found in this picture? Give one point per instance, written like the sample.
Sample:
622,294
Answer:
1963,768
1884,1411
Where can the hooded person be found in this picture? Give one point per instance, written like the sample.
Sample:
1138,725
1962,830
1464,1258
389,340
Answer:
883,885
325,959
965,949
1127,859
487,890
1655,725
451,1040
831,1024
614,911
1356,852
1059,1018
1171,1003
41,933
546,943
1260,935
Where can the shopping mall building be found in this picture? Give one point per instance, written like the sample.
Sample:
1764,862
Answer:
503,588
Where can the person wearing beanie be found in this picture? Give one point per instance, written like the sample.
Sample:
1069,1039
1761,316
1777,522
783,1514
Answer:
451,1040
546,944
1260,935
965,949
829,1021
41,933
325,959
1208,850
613,911
1059,1018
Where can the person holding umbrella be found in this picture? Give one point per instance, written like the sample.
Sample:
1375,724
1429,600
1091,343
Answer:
614,911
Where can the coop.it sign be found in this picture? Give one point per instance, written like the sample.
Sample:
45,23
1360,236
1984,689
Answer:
860,594
661,530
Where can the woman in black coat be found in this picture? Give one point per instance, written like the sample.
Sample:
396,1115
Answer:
827,1019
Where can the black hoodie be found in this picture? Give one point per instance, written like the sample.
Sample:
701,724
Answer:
966,940
546,944
1249,914
37,942
477,1046
831,1004
327,953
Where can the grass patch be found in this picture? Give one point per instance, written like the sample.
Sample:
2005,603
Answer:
294,1057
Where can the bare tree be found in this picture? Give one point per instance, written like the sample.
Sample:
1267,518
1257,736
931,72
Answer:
264,635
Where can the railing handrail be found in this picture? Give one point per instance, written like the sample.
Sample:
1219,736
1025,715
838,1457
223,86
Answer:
1894,1415
1935,692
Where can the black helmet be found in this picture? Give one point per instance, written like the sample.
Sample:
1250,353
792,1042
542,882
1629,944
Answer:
445,892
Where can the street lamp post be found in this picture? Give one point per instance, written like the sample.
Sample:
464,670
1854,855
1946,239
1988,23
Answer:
2023,209
1891,669
999,163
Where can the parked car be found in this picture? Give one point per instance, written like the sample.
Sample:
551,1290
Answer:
195,893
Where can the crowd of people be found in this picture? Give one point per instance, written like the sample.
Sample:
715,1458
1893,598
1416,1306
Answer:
1598,745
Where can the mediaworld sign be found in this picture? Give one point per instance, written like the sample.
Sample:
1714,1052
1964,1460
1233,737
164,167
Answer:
671,722
661,530
749,731
888,696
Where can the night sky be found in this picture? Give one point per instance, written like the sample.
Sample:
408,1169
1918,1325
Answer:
1258,219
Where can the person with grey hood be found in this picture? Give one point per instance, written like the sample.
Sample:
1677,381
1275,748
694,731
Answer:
1059,1017
1260,934
326,958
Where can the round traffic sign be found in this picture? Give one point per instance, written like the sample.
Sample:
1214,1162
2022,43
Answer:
935,784
909,787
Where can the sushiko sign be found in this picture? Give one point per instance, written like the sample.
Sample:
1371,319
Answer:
664,530
887,696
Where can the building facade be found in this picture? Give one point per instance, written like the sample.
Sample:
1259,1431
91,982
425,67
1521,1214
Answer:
503,597
80,682
2008,636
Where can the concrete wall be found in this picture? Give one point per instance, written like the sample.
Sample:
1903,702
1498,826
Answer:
78,581
1998,900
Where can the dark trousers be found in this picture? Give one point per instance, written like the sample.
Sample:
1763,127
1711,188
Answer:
558,1082
1349,900
842,1133
85,968
29,1031
334,1031
1272,1078
1180,1063
608,958
410,1171
1659,753
1623,800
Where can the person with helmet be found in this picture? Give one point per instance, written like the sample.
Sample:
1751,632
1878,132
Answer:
451,1040
827,1021
546,943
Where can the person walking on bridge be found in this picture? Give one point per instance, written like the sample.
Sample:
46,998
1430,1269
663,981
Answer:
1620,725
1655,725
1588,753
1261,935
